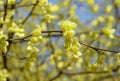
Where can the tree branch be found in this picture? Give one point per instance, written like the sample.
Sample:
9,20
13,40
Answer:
59,74
98,49
30,13
89,72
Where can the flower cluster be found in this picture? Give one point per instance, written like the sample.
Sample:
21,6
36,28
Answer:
11,2
66,3
71,42
3,43
1,21
43,2
31,57
94,6
117,2
99,20
68,29
93,67
41,6
53,8
90,2
1,2
36,38
118,57
74,50
48,18
109,32
18,30
3,75
40,2
101,58
109,9
72,11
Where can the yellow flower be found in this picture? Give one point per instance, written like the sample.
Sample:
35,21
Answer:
67,3
117,2
1,2
82,0
95,23
3,75
118,56
72,10
67,25
74,49
68,43
101,19
108,31
94,67
1,21
11,2
110,18
53,8
74,58
43,2
90,2
36,36
69,34
49,17
95,8
108,9
36,32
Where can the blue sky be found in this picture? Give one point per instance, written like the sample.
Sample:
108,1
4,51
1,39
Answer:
85,15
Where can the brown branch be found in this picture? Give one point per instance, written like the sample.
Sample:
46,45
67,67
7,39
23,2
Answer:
81,73
25,5
59,74
30,13
52,31
1,25
109,76
18,6
20,39
58,31
59,35
24,38
4,57
98,49
5,9
117,16
4,61
52,52
21,58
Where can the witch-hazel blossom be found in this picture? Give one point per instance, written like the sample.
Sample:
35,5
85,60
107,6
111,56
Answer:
71,43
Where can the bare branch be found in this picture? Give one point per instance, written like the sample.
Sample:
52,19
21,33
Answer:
98,49
30,13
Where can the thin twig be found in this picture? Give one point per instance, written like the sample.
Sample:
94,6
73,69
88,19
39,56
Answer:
57,35
81,73
30,13
98,49
60,73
